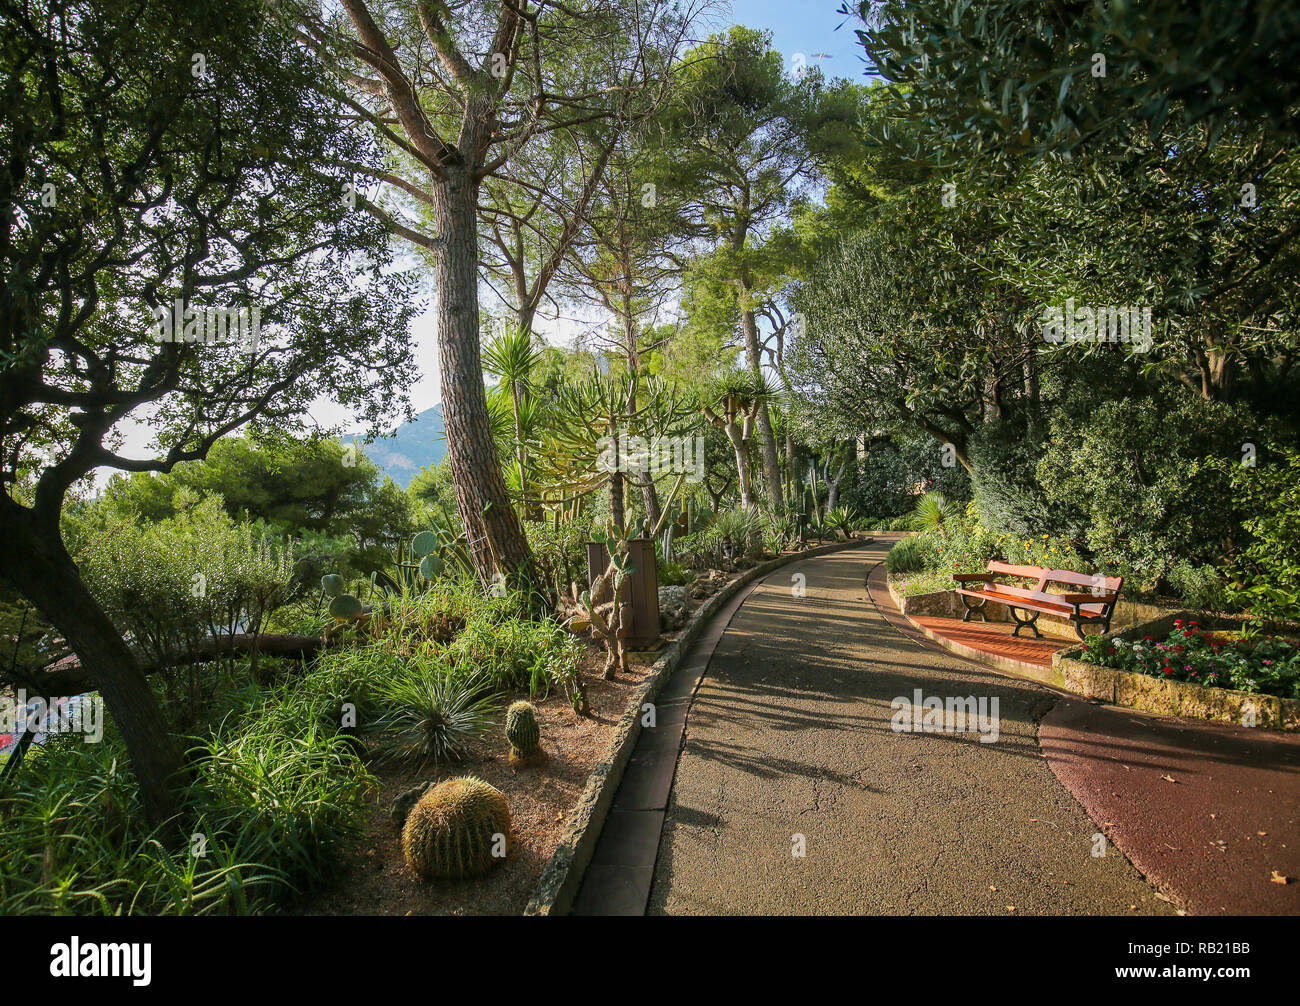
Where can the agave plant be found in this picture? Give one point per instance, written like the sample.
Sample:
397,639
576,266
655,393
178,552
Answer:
738,529
842,518
433,714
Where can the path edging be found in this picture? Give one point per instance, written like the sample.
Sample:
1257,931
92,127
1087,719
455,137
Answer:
561,878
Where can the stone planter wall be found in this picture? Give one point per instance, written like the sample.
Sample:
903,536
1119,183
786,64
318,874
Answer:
1176,698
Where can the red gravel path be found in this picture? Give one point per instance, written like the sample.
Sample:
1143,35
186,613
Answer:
1212,837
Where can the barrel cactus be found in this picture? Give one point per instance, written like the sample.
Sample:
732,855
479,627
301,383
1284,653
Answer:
457,829
523,734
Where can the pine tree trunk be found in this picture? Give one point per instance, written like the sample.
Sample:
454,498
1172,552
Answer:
35,563
766,439
496,539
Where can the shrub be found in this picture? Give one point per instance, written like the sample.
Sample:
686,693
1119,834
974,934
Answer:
884,482
905,557
1007,494
271,802
934,512
843,519
959,545
455,828
671,574
561,553
1266,572
290,800
1198,587
182,579
1137,471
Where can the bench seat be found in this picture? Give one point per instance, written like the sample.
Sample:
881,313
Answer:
1093,607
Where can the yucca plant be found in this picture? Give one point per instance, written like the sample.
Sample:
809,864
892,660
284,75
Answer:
934,512
433,715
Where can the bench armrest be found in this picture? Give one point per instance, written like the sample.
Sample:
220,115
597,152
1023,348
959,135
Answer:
1077,599
966,577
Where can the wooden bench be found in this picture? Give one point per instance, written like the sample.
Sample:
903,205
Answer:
1092,608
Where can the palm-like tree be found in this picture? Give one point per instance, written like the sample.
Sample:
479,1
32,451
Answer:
511,355
732,405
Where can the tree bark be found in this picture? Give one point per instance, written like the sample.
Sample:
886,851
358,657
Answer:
649,494
766,439
35,562
496,539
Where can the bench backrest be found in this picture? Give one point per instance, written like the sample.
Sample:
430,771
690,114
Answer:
1042,576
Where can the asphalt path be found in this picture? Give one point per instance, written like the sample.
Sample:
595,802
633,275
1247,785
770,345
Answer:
800,790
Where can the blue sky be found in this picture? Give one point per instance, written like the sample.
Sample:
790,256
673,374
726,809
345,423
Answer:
808,27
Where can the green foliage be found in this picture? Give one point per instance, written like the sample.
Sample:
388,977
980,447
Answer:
523,733
959,544
906,556
671,574
345,607
934,512
1007,78
560,552
1008,495
432,714
1136,471
1265,573
842,518
1201,588
454,829
186,577
274,797
884,483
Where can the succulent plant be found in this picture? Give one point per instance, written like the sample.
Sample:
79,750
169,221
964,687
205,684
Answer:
332,584
346,606
459,828
424,543
431,566
523,734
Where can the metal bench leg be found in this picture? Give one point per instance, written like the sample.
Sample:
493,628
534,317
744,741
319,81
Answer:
1078,627
973,608
1022,622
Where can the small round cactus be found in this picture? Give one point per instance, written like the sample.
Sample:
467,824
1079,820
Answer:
457,829
523,734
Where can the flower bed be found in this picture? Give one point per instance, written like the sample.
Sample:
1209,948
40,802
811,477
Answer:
1245,662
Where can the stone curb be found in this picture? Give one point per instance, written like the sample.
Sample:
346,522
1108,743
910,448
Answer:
561,878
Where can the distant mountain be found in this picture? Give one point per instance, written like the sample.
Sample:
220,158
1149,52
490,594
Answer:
412,446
